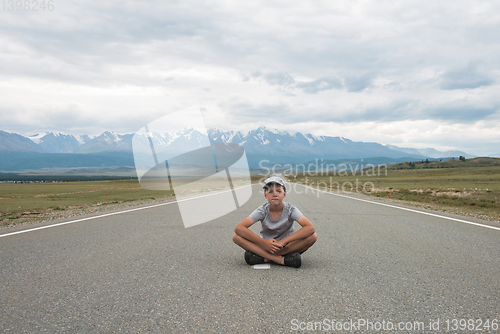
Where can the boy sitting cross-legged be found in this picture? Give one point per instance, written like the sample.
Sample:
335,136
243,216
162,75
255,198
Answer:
278,242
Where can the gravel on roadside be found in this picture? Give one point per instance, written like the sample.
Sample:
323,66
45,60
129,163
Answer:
32,217
37,216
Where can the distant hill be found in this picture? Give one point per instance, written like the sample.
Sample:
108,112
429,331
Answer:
430,152
18,161
449,163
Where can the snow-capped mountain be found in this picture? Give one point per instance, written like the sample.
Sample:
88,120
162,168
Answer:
56,142
107,142
12,142
260,144
283,146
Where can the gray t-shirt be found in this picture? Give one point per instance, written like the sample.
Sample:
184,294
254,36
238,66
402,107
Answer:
276,229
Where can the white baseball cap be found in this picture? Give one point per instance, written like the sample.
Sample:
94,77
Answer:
274,179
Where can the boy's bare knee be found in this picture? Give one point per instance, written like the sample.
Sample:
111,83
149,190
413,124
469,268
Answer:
312,239
236,238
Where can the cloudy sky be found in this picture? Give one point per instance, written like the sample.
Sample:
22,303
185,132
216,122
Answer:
408,73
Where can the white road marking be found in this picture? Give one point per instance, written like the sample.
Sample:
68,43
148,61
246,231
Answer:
262,266
188,199
112,214
406,209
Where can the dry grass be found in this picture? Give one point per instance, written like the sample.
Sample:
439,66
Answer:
32,200
467,190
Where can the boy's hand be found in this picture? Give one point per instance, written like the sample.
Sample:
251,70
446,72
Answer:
281,244
271,245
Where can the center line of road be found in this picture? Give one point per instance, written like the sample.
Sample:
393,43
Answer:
114,213
406,209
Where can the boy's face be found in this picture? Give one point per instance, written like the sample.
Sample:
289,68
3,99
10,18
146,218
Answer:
275,194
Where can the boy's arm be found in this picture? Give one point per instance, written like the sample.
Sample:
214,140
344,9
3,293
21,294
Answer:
242,229
306,231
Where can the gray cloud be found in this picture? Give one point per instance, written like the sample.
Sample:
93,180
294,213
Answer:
462,113
275,78
358,83
458,111
319,85
381,62
469,77
285,80
247,109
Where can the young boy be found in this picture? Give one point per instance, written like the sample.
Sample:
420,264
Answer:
278,242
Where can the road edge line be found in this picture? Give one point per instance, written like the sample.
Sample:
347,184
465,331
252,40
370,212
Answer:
114,213
406,209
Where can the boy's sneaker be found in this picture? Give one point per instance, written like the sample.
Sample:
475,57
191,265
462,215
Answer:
293,260
252,258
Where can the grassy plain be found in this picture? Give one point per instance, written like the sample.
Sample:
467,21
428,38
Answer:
471,191
466,190
32,199
25,202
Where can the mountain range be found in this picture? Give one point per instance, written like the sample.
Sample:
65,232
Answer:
19,152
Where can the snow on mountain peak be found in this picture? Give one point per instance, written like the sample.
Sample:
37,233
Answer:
310,139
318,138
261,140
37,138
275,131
264,129
82,139
112,136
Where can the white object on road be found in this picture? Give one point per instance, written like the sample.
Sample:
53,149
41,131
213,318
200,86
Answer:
262,266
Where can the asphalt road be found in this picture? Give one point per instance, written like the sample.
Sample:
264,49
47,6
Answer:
142,271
